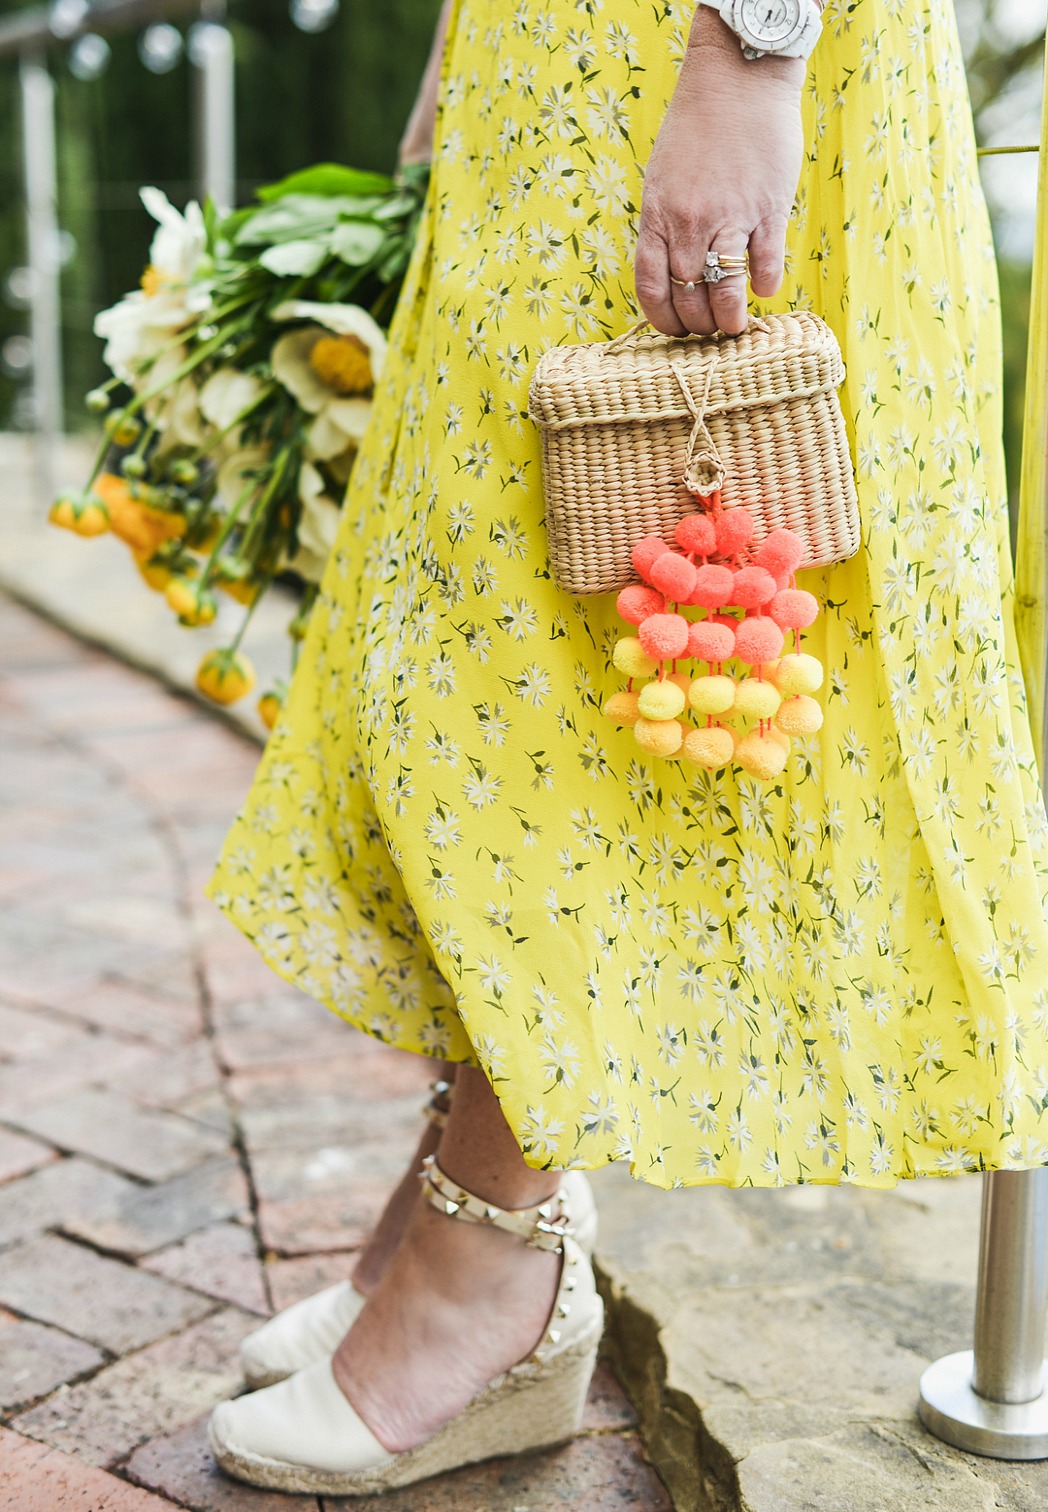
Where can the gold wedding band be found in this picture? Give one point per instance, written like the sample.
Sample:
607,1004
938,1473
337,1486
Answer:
719,265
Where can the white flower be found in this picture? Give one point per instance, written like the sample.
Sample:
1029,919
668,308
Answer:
174,291
317,526
225,399
341,415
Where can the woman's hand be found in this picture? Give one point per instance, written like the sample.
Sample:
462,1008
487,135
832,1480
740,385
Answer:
416,145
722,178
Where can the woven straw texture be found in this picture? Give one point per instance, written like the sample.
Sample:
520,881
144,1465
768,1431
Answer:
633,430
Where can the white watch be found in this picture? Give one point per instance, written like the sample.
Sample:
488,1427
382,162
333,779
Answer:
771,28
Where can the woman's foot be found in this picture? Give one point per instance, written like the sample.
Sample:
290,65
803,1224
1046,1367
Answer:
459,1304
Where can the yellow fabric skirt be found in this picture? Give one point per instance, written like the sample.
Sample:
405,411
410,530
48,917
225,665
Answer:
839,977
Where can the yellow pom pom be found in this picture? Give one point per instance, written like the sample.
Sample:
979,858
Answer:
711,748
761,756
631,659
780,738
622,708
661,700
659,737
712,695
798,673
799,716
756,698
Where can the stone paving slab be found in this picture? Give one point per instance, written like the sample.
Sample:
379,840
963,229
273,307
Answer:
185,1144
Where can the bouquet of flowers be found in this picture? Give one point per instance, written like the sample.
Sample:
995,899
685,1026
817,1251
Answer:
250,353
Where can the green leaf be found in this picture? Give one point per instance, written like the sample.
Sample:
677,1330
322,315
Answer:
327,179
291,219
357,242
295,259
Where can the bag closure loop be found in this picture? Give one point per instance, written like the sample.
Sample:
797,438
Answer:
703,468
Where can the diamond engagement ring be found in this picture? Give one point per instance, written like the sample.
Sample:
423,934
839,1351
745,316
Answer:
719,265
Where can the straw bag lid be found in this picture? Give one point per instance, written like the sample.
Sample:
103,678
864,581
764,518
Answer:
648,376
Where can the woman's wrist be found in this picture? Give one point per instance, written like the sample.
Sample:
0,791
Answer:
712,43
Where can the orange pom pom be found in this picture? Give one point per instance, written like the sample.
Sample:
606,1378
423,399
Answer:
621,708
752,588
710,642
645,553
713,586
711,748
793,608
780,737
637,601
781,553
761,756
682,679
659,737
799,716
734,529
758,640
695,533
664,635
674,575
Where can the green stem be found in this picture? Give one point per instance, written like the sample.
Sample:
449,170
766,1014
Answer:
264,588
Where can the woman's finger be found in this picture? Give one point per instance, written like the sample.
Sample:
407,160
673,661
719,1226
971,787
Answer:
652,280
693,305
728,297
767,256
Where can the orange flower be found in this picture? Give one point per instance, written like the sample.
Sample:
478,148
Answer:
224,676
142,527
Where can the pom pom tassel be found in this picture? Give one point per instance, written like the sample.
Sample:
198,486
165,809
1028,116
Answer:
714,565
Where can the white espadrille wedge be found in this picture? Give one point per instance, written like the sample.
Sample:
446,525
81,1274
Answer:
303,1435
312,1329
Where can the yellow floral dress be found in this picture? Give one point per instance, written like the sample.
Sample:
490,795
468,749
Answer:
838,977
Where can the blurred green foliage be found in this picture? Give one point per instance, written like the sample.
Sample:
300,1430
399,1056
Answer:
343,94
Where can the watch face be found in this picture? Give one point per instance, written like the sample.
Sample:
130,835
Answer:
769,24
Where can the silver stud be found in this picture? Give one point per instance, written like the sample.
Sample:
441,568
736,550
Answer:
546,1210
570,1283
491,1213
563,1310
451,1208
553,1335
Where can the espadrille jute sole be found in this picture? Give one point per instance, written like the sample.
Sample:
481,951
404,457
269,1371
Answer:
536,1405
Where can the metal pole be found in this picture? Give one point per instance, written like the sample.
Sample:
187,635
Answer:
993,1400
212,54
45,317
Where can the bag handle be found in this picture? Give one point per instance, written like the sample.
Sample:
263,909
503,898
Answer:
755,323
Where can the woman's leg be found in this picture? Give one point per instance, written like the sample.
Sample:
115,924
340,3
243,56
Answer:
386,1235
459,1303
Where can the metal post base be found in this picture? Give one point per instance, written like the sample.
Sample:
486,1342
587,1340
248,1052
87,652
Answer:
949,1408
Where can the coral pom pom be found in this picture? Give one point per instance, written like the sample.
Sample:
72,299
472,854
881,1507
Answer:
758,640
664,635
760,755
695,533
781,553
798,673
712,695
799,716
711,642
755,698
621,708
674,575
713,587
637,601
733,529
752,588
793,609
659,737
710,748
661,700
647,551
630,658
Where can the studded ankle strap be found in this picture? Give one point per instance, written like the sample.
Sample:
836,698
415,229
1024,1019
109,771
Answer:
438,1105
543,1226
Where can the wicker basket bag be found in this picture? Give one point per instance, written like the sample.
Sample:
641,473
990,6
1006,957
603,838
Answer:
634,430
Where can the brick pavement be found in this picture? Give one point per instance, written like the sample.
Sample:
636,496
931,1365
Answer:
185,1143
